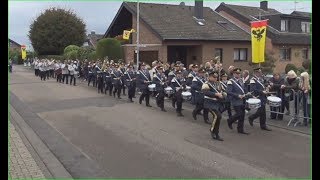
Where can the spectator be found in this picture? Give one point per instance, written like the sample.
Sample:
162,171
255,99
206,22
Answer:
306,94
274,84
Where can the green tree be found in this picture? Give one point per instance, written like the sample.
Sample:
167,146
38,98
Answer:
84,52
92,56
55,29
109,47
73,55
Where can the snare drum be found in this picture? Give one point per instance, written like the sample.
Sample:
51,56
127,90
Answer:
152,87
186,95
168,90
188,88
253,103
274,101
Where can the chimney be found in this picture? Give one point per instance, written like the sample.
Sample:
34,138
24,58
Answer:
264,5
93,32
198,9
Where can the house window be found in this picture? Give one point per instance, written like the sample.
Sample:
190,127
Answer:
284,25
218,52
240,54
285,54
305,27
305,53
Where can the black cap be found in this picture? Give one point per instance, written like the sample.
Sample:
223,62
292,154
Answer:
177,65
214,74
202,70
143,64
257,69
195,66
178,62
178,72
224,75
237,70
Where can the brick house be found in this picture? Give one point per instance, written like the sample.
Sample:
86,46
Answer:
190,34
288,35
14,45
92,39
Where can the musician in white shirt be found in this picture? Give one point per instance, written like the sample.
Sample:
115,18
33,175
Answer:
65,72
73,72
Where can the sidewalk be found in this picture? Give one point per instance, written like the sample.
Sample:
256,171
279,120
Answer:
21,162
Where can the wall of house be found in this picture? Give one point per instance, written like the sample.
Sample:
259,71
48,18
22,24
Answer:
296,57
208,51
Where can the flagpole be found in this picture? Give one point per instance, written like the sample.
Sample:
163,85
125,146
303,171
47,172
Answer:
138,33
259,20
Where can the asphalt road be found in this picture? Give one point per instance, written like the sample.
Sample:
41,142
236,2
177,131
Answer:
95,135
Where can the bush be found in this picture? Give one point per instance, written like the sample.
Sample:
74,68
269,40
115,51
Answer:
92,56
306,64
300,70
84,52
290,67
109,47
73,55
70,48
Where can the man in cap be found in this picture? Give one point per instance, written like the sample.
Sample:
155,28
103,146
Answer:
72,70
213,103
224,85
236,91
130,79
258,88
178,84
197,94
117,81
144,80
160,80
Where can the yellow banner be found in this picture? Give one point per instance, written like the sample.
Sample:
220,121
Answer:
126,34
258,40
23,52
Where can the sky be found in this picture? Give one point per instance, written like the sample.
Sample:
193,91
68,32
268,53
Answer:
99,14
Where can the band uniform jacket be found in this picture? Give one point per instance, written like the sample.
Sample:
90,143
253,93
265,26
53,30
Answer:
116,77
160,85
129,76
224,86
107,75
175,86
234,89
190,77
143,75
210,100
257,87
196,86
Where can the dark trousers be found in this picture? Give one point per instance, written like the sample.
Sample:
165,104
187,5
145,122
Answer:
227,107
216,115
239,115
51,73
160,99
10,68
145,95
123,88
306,109
131,91
92,78
284,105
110,87
117,90
65,77
43,75
36,72
198,108
47,74
100,85
72,77
59,77
261,113
177,98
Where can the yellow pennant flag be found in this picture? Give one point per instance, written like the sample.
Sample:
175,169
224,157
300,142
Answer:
258,40
126,34
23,52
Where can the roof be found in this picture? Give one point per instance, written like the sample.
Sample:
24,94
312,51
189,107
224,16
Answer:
15,43
249,13
301,13
176,22
94,38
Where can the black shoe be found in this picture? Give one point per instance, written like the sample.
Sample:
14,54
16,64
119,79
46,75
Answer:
250,121
130,100
119,98
140,101
163,110
173,105
266,129
194,115
148,105
216,137
229,124
243,132
110,94
180,114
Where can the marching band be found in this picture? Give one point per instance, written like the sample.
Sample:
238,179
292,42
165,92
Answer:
210,89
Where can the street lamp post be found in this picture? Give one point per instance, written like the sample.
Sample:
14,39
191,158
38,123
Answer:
138,27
